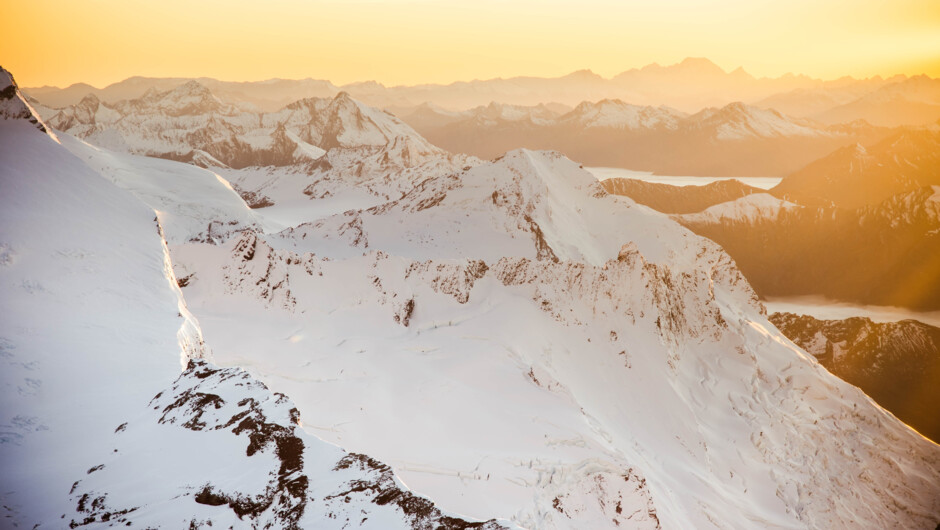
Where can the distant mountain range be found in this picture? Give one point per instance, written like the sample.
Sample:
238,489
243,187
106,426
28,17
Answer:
691,85
734,140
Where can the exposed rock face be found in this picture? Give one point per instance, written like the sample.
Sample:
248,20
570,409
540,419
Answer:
13,105
173,466
896,363
678,199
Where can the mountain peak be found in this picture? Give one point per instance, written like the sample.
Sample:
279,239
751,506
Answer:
90,99
583,75
191,88
13,105
699,65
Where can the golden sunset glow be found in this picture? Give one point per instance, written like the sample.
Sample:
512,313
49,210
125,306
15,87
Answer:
59,42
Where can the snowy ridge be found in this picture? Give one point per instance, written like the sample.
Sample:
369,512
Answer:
13,106
191,203
527,203
619,115
665,319
334,150
586,353
93,311
752,208
738,121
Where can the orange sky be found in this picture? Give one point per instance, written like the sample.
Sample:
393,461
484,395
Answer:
60,42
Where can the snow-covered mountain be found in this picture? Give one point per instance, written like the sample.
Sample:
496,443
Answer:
337,150
737,121
178,123
615,114
734,140
587,342
689,85
511,340
896,363
753,208
94,431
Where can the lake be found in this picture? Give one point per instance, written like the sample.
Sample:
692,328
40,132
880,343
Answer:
826,309
604,173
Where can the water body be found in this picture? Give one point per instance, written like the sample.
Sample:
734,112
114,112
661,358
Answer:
826,309
604,173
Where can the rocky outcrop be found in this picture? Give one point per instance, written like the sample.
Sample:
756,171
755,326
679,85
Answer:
896,363
284,479
678,199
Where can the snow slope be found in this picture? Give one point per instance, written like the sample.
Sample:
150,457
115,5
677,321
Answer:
513,341
527,203
91,312
531,348
190,202
93,431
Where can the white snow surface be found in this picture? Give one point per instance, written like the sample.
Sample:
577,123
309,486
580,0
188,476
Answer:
190,202
613,113
637,371
93,324
513,341
738,121
95,327
748,209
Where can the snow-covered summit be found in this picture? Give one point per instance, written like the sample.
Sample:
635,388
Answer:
613,113
738,121
13,106
537,204
751,208
341,122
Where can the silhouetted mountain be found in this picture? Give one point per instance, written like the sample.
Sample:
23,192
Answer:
882,255
912,101
675,199
855,176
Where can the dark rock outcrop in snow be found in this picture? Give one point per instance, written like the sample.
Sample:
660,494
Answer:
272,475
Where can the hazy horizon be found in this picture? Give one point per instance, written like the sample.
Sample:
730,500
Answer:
476,79
409,42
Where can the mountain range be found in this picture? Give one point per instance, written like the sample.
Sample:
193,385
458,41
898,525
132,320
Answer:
400,337
190,123
734,140
690,85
